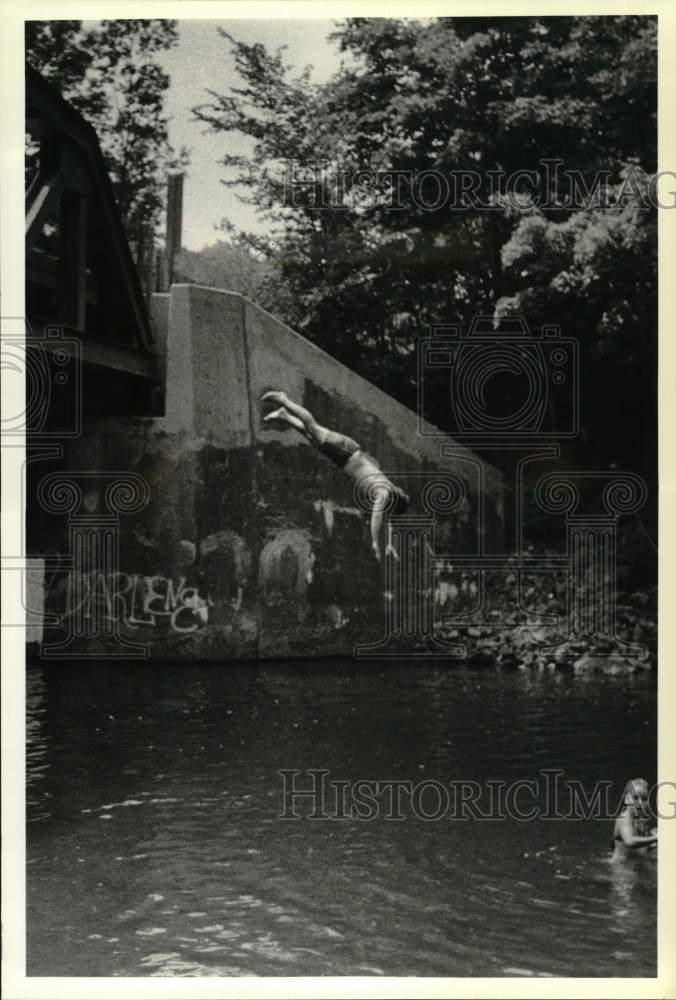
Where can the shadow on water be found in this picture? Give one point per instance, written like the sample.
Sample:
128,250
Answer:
155,845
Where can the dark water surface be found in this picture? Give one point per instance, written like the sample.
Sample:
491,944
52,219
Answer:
155,847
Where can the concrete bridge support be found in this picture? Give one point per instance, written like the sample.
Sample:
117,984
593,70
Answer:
251,543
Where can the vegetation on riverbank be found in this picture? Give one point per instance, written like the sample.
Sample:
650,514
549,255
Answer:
531,630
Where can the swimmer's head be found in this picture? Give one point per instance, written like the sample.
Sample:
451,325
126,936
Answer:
374,489
636,792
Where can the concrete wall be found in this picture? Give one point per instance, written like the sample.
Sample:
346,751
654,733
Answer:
251,543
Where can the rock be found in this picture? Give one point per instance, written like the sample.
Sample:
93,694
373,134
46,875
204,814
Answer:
562,655
586,664
643,664
612,665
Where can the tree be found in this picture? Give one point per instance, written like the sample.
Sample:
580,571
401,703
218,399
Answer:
364,278
227,265
109,73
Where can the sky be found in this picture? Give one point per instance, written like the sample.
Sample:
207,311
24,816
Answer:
203,60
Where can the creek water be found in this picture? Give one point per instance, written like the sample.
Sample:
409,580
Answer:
155,845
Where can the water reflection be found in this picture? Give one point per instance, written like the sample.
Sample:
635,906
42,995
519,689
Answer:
154,800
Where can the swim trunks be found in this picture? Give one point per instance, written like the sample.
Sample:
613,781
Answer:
338,448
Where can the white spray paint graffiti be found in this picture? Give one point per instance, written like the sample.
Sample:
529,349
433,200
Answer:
285,566
135,600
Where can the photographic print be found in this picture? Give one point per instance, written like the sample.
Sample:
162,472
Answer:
339,463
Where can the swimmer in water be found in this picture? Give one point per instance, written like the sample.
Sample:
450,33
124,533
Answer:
357,464
632,831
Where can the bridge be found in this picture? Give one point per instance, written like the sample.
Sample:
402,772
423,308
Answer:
164,518
82,286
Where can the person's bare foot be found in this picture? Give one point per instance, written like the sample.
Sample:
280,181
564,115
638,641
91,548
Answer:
284,417
274,397
280,414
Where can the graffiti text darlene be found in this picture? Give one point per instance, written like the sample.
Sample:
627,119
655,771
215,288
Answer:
136,600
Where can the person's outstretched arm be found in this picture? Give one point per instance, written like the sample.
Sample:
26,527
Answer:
625,827
381,500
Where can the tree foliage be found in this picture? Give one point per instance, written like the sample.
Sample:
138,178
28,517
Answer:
365,281
109,72
227,265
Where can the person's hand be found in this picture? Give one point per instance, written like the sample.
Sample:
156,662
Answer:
375,548
391,551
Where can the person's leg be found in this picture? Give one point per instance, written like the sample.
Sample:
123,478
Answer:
288,404
314,431
338,447
287,418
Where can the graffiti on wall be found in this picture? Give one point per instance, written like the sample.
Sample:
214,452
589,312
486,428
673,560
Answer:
136,600
182,586
285,567
170,601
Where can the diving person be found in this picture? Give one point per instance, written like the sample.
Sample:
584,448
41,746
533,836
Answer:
377,490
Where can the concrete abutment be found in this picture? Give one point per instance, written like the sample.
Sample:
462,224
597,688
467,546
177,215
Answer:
249,542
